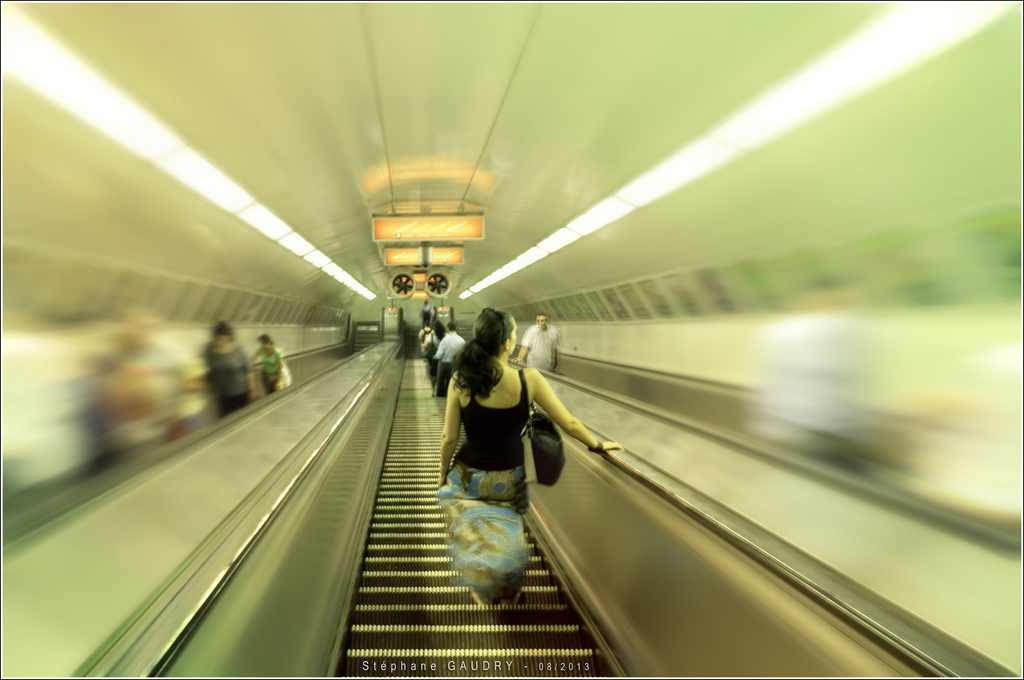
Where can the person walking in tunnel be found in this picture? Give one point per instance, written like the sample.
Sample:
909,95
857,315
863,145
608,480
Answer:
230,375
482,488
428,314
137,391
450,346
540,345
274,365
813,368
430,347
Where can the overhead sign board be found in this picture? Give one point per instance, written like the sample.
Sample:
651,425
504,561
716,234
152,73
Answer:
458,228
411,256
419,295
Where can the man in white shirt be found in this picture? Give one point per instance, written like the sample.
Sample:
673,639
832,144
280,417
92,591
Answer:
813,371
450,345
540,345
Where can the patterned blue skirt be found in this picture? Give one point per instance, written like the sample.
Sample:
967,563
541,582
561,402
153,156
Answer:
484,509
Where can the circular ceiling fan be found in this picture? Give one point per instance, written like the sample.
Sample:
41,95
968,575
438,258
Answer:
402,285
438,285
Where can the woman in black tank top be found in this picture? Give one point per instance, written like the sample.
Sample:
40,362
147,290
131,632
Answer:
483,491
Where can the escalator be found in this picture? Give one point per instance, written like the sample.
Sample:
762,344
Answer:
331,560
409,617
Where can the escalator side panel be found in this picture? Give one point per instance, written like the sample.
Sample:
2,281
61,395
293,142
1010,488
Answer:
673,599
280,613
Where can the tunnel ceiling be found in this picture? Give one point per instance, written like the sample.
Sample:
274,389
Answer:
330,113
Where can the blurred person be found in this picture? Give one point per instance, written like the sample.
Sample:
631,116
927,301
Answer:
273,364
137,396
540,345
428,343
230,373
483,490
437,334
813,370
192,415
428,314
44,433
450,345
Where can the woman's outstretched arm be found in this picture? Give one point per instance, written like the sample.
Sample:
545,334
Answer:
552,405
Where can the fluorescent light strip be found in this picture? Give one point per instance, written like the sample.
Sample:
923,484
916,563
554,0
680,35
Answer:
265,221
465,294
605,212
296,244
194,171
42,64
532,255
331,269
692,161
559,239
513,266
904,37
318,259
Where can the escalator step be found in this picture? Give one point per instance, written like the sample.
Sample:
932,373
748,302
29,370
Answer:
411,616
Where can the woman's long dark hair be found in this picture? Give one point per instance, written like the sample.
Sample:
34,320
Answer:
474,369
439,330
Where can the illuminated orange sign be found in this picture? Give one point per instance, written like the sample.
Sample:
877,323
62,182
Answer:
412,256
419,278
447,256
419,295
457,228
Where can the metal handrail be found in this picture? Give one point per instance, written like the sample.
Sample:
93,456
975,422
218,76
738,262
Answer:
969,526
167,620
907,637
65,500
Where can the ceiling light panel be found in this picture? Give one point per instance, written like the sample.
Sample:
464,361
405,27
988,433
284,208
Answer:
38,61
265,221
904,37
693,161
513,266
318,259
296,244
194,171
559,239
532,255
605,212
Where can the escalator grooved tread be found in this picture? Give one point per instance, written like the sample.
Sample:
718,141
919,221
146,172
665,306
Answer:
409,613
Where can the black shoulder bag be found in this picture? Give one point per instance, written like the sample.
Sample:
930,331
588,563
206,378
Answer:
543,456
